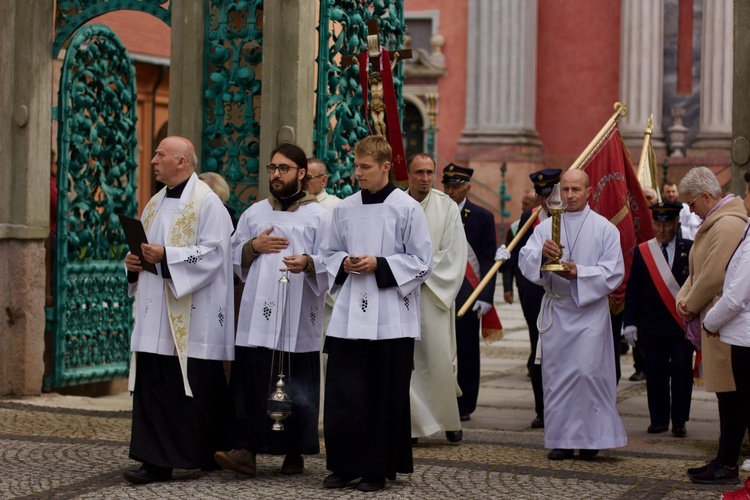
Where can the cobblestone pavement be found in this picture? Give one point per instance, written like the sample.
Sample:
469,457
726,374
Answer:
65,447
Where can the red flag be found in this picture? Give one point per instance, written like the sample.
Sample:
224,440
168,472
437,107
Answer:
616,194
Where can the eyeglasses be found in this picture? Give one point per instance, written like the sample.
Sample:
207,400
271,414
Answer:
311,177
283,169
696,199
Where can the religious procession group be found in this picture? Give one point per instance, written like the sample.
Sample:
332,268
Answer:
379,273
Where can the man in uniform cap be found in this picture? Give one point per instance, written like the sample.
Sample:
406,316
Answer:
531,299
660,267
479,225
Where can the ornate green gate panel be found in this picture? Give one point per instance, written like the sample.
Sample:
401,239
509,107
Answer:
97,144
72,14
232,89
339,117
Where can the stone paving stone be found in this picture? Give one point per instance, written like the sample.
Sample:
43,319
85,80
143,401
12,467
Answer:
60,447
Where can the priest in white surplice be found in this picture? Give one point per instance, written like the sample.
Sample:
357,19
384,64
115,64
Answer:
184,324
578,370
434,387
378,253
284,231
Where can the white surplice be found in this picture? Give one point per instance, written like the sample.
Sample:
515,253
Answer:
396,230
204,269
258,324
433,382
578,365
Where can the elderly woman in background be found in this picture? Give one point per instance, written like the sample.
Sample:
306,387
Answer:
723,225
729,320
219,186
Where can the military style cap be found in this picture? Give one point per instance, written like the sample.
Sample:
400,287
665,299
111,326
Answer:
665,211
545,180
454,174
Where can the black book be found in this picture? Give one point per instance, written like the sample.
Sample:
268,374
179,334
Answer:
135,235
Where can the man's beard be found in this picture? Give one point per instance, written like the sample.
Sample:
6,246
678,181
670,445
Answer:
286,190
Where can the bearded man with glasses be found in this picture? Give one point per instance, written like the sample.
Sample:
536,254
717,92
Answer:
283,232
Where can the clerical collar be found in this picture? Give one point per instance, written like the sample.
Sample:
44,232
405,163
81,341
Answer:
289,201
369,198
176,192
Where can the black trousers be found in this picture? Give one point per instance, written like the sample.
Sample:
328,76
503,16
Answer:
734,409
669,383
616,320
467,358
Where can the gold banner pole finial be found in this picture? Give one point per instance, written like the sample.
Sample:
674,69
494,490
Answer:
621,110
644,151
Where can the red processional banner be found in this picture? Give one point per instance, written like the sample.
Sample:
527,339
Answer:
616,194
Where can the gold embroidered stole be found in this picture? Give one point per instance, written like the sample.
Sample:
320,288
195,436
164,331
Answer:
182,233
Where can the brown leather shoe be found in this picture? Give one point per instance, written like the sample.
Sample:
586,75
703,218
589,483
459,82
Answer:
293,464
241,461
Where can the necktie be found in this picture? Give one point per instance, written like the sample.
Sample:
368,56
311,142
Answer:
664,251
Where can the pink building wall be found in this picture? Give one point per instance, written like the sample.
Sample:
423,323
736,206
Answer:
578,74
454,25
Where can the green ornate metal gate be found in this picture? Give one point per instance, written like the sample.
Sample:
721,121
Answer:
339,119
97,144
232,90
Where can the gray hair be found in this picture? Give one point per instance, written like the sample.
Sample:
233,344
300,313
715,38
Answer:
216,183
700,180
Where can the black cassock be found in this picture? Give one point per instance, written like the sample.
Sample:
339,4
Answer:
169,428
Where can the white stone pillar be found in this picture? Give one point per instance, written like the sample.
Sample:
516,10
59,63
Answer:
642,69
501,70
716,76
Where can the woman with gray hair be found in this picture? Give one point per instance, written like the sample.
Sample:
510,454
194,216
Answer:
723,225
219,186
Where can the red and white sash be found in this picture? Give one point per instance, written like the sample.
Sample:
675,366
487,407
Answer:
661,274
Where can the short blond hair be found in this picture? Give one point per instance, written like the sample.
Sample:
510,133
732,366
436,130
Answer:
376,146
216,183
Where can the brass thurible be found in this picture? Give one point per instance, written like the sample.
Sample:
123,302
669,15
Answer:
556,209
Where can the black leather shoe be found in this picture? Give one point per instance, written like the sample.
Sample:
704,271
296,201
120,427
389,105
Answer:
702,468
338,480
560,454
148,474
679,430
587,454
454,436
637,377
371,483
464,417
717,474
657,429
537,423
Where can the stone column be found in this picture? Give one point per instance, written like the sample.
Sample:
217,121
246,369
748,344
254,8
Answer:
186,65
287,99
741,94
25,141
501,100
501,72
715,131
642,69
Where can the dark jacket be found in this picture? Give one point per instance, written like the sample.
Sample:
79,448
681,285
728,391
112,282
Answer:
644,307
479,225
